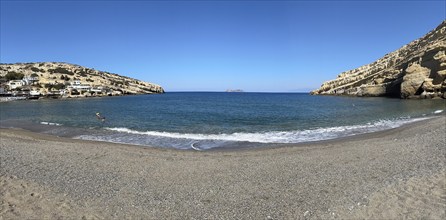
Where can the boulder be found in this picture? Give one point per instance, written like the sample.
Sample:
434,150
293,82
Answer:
428,86
373,90
442,73
413,80
379,80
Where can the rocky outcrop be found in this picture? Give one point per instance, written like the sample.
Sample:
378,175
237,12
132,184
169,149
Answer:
414,79
416,70
55,75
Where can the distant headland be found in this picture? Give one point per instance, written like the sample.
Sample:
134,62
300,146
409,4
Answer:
64,80
416,70
234,90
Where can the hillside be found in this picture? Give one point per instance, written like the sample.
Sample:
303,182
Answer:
51,77
416,70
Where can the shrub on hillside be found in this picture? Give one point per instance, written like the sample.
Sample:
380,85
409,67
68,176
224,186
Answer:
35,69
82,73
56,86
63,77
14,76
116,83
59,86
61,70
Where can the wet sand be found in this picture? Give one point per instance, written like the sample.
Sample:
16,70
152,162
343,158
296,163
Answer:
399,173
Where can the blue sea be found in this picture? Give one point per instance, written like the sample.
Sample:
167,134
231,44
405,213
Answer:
212,120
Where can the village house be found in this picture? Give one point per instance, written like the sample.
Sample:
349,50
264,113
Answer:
77,85
15,84
30,80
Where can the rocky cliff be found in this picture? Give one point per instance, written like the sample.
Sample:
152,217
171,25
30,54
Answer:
51,75
416,70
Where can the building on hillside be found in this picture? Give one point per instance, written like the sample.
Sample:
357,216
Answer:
30,80
14,84
98,90
77,85
34,93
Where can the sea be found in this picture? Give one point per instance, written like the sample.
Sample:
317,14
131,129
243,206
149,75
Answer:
215,120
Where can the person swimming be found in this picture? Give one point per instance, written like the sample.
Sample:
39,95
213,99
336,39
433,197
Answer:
100,117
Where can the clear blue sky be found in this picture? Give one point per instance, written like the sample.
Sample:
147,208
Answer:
266,46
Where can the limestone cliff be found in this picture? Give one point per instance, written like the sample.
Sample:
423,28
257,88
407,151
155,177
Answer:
51,75
416,70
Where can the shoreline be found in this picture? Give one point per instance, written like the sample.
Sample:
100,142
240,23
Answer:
398,173
265,146
74,97
74,132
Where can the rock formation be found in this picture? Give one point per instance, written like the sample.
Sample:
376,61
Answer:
58,75
416,70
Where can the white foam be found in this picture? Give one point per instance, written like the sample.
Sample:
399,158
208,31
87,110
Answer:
50,123
438,111
193,147
279,136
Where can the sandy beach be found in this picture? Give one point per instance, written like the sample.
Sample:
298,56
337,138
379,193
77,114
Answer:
397,174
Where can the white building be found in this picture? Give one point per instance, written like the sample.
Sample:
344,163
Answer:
30,80
14,84
99,89
79,86
34,93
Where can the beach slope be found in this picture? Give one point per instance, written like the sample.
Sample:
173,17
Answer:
399,173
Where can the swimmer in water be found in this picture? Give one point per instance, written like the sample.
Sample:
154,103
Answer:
100,117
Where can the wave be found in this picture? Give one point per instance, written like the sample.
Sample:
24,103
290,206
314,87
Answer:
297,136
50,123
438,111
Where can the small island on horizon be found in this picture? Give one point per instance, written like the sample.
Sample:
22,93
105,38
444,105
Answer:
234,90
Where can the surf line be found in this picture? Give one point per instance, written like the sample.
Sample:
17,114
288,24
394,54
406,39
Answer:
50,123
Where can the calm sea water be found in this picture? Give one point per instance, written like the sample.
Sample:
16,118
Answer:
215,120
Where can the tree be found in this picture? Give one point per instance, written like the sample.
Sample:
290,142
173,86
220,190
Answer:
14,76
35,69
61,70
59,86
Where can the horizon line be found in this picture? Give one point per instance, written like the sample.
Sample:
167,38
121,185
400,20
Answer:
235,92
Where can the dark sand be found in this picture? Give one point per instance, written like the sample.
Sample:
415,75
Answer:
399,173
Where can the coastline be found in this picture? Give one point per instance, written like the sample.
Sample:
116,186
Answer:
384,174
10,99
21,98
